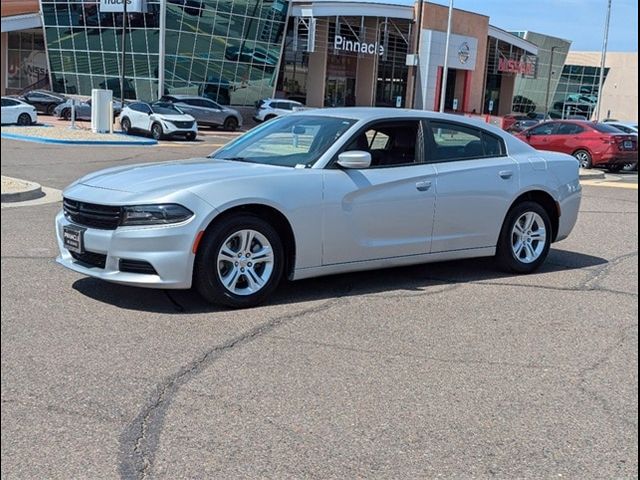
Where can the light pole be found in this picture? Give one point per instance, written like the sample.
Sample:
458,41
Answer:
546,96
445,68
602,60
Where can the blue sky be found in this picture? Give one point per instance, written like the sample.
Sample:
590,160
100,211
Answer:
581,21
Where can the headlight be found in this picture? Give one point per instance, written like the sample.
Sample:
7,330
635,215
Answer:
154,214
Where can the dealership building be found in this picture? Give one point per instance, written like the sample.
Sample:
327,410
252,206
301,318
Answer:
321,52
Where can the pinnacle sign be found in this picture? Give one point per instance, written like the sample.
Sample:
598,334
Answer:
341,43
118,6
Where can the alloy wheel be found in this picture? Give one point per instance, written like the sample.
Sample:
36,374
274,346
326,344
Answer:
528,237
245,262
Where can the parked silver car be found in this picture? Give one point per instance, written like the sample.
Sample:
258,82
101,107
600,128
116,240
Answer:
206,111
82,109
321,192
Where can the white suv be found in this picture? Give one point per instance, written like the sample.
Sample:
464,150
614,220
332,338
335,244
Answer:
275,107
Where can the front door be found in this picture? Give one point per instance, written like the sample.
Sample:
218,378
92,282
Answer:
541,137
383,211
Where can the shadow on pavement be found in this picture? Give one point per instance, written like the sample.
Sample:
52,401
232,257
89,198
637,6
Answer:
408,279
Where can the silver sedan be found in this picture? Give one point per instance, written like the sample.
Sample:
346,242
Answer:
317,193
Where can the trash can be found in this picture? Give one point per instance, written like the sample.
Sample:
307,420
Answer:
101,104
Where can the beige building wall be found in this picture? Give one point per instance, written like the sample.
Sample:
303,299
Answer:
318,66
620,92
4,44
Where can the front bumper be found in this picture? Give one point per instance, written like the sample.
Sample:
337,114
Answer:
171,130
168,248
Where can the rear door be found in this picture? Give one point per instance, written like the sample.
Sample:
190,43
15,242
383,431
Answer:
567,138
475,184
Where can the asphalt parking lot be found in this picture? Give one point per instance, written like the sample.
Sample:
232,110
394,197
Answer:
450,370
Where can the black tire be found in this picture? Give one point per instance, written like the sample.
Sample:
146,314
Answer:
269,117
615,168
584,157
157,132
206,277
125,125
66,114
230,124
50,108
505,255
24,119
191,136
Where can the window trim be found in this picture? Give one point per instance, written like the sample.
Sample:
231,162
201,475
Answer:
430,142
420,143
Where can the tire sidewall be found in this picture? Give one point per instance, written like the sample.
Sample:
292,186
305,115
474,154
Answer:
154,127
21,119
206,277
505,255
125,121
230,124
50,109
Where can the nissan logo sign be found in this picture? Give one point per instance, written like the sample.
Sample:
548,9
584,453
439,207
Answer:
463,53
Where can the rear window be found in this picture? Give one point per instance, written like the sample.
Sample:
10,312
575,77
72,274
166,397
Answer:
604,128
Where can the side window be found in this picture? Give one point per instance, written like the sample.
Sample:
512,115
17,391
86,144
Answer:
8,103
450,142
568,129
391,143
544,129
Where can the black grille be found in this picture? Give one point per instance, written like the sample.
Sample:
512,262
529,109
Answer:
183,124
90,259
92,215
136,266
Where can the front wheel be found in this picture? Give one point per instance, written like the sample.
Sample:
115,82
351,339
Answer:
525,238
191,136
240,262
156,131
24,119
51,108
125,125
584,158
615,168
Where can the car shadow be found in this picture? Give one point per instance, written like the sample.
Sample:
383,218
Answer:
408,279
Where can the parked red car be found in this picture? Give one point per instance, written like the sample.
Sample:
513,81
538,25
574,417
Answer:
593,144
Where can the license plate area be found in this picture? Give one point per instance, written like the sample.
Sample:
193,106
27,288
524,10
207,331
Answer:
73,238
627,145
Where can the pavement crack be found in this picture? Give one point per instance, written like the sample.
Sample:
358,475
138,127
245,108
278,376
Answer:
140,439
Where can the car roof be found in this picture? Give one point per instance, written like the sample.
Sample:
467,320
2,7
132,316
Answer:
182,96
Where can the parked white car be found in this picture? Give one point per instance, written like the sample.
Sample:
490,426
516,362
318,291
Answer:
626,127
160,119
319,193
270,108
15,111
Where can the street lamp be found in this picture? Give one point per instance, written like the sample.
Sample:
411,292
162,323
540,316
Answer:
546,97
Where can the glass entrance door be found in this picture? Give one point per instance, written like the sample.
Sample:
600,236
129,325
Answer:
339,92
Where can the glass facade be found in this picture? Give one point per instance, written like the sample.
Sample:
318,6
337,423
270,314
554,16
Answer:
227,50
577,91
26,61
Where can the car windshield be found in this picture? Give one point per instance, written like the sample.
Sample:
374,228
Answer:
287,141
604,128
165,109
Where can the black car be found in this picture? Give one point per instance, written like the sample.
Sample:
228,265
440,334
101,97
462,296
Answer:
44,101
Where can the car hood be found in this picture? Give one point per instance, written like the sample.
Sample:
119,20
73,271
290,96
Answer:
174,118
175,175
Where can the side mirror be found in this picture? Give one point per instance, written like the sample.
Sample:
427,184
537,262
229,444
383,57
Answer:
355,159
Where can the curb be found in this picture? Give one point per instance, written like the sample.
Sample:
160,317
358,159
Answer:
27,138
591,175
31,192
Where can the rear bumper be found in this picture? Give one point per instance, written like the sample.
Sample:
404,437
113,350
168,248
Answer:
616,159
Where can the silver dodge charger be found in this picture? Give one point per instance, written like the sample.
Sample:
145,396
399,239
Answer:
321,192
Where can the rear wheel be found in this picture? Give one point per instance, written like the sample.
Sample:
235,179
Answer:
24,119
525,238
615,168
584,158
191,136
156,131
231,124
50,109
125,124
66,114
240,262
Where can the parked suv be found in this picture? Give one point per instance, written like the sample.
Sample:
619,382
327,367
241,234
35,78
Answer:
206,111
271,108
44,101
160,119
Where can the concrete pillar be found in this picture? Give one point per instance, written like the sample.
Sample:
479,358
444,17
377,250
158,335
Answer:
317,76
507,86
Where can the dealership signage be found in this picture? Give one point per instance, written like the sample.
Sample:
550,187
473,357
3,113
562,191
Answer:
347,45
516,66
118,5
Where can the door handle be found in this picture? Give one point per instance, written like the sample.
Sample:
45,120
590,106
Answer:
423,186
506,174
